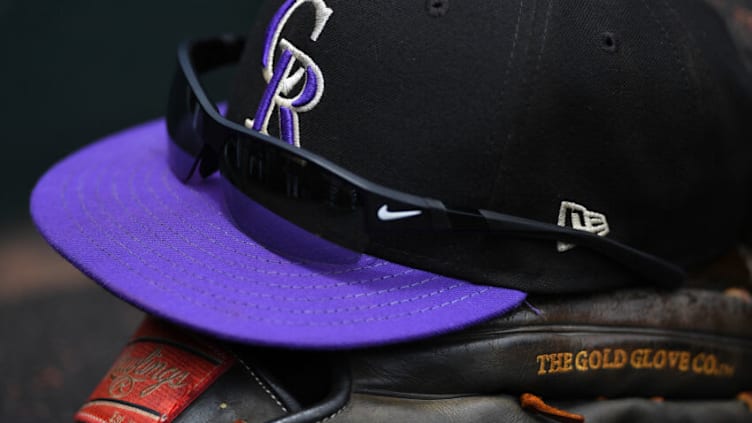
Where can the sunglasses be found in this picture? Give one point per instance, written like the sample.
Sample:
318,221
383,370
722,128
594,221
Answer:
302,206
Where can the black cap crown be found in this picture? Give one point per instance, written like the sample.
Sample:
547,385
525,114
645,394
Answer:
630,119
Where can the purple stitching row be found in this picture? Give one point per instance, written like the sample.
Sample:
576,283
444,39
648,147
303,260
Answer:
115,194
245,241
232,276
158,286
255,257
224,311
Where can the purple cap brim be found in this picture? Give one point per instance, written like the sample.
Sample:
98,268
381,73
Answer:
117,213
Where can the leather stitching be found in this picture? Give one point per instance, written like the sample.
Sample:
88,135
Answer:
261,384
335,414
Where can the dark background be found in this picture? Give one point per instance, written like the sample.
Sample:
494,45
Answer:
72,71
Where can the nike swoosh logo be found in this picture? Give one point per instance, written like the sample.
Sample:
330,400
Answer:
385,214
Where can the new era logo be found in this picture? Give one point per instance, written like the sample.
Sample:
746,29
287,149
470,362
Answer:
578,217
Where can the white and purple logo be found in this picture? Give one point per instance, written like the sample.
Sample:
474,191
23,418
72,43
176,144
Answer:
284,76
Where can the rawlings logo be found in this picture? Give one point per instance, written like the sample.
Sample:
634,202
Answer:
158,374
119,418
286,74
155,373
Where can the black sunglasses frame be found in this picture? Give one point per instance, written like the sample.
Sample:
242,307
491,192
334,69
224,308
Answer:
337,205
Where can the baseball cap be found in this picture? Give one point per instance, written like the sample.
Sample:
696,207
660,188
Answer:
625,123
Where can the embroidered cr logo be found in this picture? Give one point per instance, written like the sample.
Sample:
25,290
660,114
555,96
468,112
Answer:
280,78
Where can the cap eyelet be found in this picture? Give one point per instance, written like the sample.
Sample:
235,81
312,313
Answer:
608,42
437,8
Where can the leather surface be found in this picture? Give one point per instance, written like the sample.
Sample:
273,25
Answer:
695,329
240,394
478,375
506,409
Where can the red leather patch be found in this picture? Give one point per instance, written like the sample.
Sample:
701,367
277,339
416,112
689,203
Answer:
159,373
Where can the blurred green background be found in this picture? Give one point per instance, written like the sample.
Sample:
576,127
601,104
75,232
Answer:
72,71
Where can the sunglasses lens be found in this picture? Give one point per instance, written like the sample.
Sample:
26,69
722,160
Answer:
280,235
181,163
184,124
267,188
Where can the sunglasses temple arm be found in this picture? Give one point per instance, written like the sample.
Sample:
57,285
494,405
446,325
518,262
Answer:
660,271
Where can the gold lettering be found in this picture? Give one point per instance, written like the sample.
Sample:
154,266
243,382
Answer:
636,358
580,361
696,365
673,359
595,360
659,359
727,370
646,363
711,365
542,367
567,366
620,358
702,363
607,358
684,361
554,363
555,360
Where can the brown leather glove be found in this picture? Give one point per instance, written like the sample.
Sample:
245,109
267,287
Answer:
626,356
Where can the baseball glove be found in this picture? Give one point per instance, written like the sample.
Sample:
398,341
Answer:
627,356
